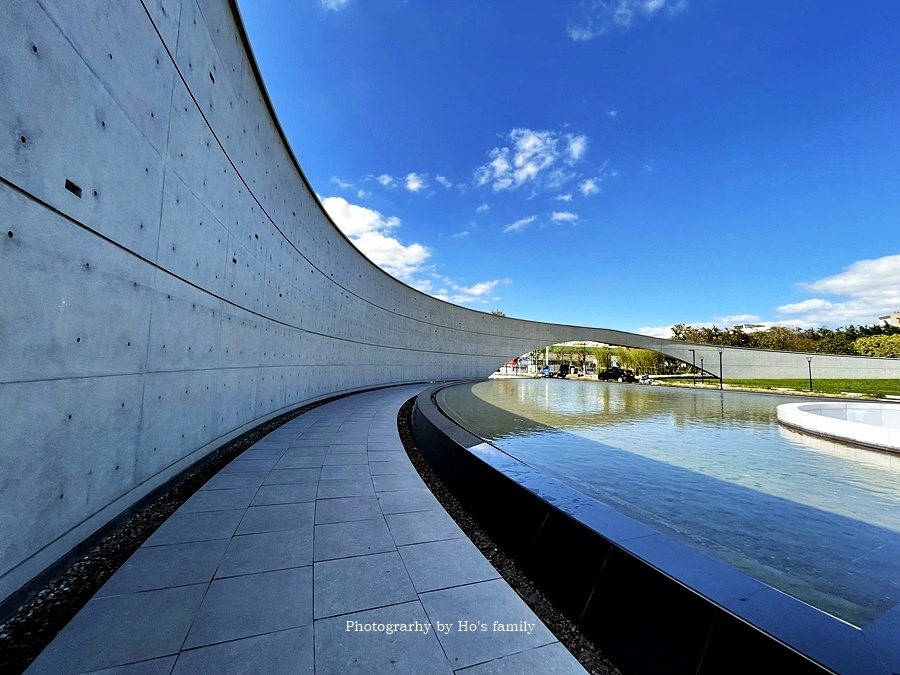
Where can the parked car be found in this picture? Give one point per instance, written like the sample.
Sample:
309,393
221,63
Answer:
617,374
546,372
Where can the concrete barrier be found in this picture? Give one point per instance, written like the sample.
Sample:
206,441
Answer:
874,425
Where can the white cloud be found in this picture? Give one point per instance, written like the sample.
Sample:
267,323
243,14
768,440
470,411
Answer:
443,180
563,217
612,113
738,318
656,331
480,293
341,183
530,159
484,208
589,187
576,147
362,194
564,198
870,288
386,180
368,230
458,235
416,182
519,225
334,4
605,16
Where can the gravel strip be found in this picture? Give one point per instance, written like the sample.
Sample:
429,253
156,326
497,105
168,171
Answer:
565,630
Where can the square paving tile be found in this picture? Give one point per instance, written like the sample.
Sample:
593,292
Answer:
218,500
345,487
277,517
345,509
281,653
268,551
205,526
240,465
287,493
388,456
360,537
345,458
161,666
492,604
364,582
301,461
340,648
307,451
281,477
273,452
153,567
442,564
397,481
253,604
404,501
344,448
552,659
228,481
421,526
399,466
122,629
345,471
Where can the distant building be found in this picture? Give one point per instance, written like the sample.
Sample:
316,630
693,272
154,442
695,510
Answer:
891,319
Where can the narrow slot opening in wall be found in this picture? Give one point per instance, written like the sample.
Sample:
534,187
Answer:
74,189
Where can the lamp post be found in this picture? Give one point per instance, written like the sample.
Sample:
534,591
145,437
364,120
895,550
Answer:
720,367
693,365
809,366
702,372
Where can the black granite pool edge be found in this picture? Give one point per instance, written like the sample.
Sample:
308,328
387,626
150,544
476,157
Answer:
651,603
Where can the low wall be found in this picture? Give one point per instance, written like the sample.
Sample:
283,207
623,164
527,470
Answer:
653,605
170,278
874,425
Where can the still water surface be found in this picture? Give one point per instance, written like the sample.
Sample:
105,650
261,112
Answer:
815,519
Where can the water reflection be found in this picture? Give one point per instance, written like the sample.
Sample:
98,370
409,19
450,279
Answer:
817,520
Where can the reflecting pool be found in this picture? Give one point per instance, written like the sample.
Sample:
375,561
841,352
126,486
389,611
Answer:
815,519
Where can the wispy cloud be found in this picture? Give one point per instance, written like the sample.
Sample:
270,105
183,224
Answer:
589,187
416,181
484,208
531,158
605,16
362,194
443,180
563,217
869,288
519,225
386,180
575,147
369,231
341,183
564,198
334,5
612,113
481,293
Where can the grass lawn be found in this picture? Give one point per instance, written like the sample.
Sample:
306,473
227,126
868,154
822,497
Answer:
873,388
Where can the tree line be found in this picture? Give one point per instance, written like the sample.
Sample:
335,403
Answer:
876,340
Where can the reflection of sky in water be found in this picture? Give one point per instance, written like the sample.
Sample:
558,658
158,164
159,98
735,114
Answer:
818,520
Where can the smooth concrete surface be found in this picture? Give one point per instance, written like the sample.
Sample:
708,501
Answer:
171,279
297,557
871,424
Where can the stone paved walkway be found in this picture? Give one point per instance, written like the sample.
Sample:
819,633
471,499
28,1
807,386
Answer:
297,557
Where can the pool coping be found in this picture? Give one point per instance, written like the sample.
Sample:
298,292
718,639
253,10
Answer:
808,417
628,585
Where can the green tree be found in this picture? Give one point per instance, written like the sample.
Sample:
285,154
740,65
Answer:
878,345
498,312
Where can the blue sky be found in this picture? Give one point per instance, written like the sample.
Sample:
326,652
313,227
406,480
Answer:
629,164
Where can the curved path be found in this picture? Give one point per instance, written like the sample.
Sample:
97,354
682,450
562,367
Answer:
321,527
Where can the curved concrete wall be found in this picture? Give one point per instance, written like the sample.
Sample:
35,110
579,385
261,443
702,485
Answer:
170,280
